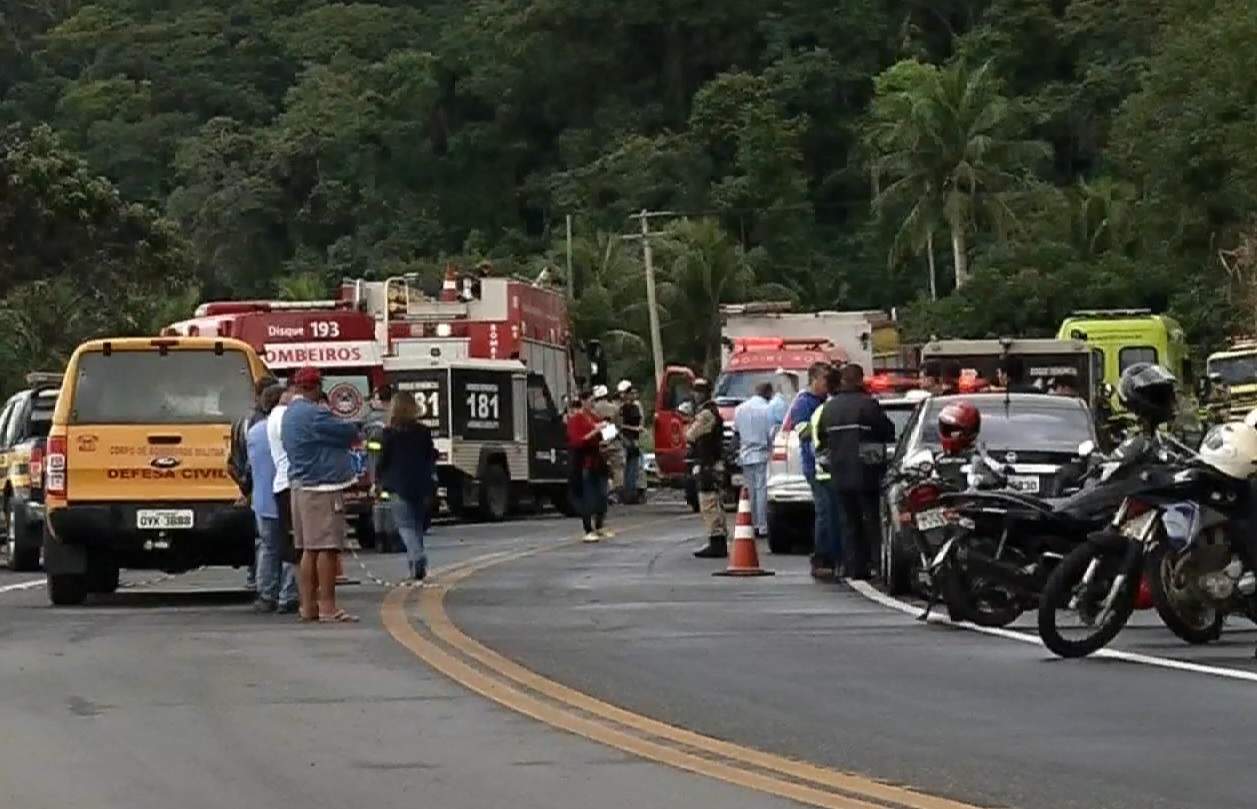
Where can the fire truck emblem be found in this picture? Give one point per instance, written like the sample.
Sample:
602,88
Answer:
345,400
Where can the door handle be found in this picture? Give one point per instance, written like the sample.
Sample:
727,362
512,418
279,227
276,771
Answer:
165,439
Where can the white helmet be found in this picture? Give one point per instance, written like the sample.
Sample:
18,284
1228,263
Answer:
600,392
1231,449
624,385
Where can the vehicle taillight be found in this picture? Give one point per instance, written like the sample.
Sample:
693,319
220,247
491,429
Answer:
37,467
55,465
921,498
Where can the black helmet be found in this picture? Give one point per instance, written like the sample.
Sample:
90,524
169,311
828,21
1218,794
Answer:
1147,390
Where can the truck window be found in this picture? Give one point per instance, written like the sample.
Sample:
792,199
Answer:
7,416
1132,354
740,385
147,387
42,406
679,389
539,401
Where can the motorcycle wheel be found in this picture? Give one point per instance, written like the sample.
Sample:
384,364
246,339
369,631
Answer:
1184,615
987,607
1065,584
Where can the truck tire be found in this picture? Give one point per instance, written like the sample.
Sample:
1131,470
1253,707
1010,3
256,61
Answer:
495,493
691,494
562,501
780,531
102,576
67,590
21,552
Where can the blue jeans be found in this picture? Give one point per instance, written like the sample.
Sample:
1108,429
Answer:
409,519
828,529
276,579
632,467
756,477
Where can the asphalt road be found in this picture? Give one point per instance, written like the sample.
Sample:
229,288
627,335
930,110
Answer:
820,673
172,693
175,694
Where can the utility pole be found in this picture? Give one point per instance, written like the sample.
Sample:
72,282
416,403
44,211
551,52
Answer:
652,305
571,282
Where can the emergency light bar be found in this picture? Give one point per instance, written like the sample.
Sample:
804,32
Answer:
244,307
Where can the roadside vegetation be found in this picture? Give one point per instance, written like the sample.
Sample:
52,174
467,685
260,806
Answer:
984,166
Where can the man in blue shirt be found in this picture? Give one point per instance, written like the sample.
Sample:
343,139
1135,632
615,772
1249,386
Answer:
276,579
779,404
320,470
824,556
752,420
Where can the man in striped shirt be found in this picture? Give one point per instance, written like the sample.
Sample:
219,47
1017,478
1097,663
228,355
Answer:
753,422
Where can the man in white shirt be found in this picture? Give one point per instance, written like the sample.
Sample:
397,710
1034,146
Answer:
283,497
753,422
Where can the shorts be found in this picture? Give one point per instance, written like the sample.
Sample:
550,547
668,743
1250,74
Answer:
318,520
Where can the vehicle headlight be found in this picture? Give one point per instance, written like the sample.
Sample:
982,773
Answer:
1135,526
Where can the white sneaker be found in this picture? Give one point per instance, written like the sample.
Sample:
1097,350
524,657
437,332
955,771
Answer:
606,533
592,536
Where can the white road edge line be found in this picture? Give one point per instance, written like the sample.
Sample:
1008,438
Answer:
22,585
873,594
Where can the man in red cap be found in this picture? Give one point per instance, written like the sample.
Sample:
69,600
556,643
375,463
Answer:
319,470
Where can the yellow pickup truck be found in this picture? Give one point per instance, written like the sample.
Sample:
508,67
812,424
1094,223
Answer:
136,468
24,423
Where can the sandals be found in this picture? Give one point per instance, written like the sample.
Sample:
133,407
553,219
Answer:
338,617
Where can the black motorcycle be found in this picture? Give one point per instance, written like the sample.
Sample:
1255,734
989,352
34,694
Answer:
1005,545
928,520
1171,526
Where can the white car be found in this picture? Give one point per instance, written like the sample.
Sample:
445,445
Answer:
790,513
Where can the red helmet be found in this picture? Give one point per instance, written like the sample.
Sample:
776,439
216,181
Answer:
958,426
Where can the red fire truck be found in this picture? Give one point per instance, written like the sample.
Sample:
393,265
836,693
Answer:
333,336
489,361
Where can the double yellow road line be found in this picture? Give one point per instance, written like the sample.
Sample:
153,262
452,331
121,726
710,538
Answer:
441,645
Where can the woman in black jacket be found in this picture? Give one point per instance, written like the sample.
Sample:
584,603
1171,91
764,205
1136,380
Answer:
407,460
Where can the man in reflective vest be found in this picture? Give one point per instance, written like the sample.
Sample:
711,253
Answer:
705,435
852,433
827,554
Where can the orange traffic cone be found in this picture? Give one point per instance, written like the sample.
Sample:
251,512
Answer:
743,556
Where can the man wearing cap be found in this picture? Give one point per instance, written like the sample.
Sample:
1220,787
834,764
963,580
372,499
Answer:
608,412
631,435
705,435
319,469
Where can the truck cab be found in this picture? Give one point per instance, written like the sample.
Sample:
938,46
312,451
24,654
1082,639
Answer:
1235,370
1124,337
25,420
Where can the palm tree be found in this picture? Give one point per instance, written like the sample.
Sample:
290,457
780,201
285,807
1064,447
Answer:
703,268
945,148
1104,215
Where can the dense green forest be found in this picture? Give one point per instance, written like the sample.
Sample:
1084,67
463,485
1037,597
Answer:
1013,159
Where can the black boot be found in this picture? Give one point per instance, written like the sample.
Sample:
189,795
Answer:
716,549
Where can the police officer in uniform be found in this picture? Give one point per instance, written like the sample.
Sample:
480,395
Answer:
705,435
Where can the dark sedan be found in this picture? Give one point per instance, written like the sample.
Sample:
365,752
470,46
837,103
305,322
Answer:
1033,434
